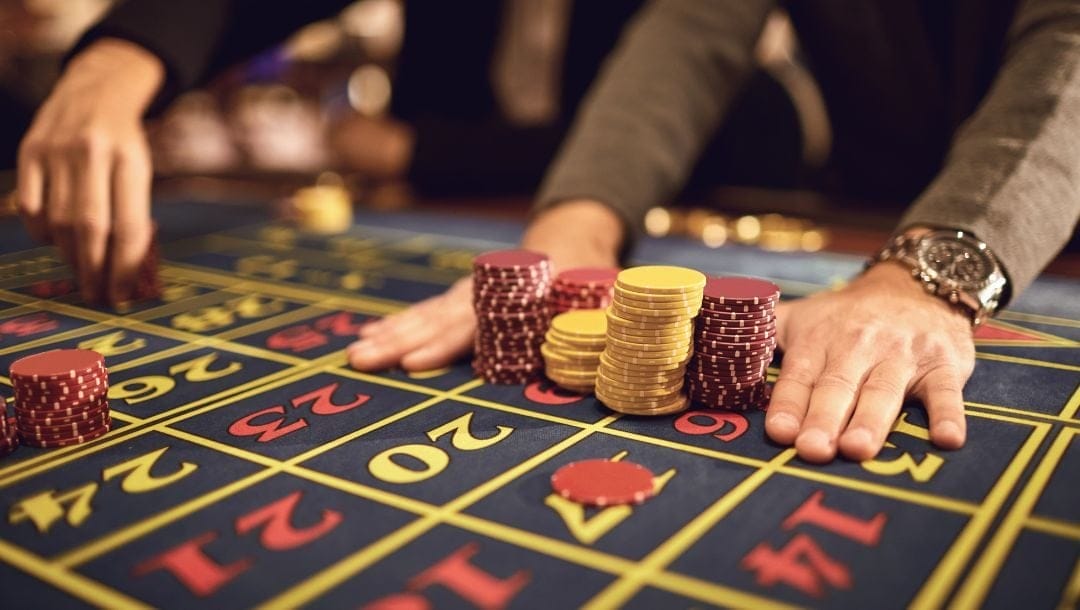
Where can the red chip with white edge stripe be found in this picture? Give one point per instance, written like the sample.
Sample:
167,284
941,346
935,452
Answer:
604,482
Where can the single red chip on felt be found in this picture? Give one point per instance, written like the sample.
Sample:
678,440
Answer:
603,482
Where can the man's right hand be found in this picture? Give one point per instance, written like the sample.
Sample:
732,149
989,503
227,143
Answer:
84,167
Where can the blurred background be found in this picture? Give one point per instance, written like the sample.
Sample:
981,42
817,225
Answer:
461,106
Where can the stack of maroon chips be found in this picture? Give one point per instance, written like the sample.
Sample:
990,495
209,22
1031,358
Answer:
61,397
583,288
510,290
9,437
734,340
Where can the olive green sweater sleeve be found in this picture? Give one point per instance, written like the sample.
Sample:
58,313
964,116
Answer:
655,104
1013,173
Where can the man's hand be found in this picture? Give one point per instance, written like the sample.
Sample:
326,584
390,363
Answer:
851,356
435,332
84,167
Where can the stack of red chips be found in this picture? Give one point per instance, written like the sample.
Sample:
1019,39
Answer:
734,340
61,397
9,437
510,289
582,288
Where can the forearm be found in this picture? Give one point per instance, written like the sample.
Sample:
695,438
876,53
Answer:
579,233
1013,175
655,104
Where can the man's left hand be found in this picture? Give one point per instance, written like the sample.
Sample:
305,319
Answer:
851,357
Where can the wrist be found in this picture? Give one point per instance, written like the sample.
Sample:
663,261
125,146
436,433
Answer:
577,233
124,72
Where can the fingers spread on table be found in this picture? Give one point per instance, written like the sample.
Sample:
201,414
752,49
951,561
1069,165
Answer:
831,404
941,390
791,394
880,398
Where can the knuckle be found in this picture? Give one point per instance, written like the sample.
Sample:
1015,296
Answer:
862,335
88,143
58,219
883,385
126,231
90,224
780,403
837,381
24,204
136,158
801,377
30,148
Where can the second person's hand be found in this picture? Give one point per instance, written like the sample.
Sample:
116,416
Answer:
84,169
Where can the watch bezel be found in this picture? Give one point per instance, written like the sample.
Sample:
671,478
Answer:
933,238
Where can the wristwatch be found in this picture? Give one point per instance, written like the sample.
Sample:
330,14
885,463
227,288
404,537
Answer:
953,265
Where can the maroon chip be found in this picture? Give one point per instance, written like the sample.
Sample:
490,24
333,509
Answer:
734,327
74,364
703,335
712,314
63,442
740,291
706,354
748,309
513,260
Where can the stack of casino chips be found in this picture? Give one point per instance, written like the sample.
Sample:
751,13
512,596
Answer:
650,330
510,289
582,288
734,340
9,436
572,348
61,397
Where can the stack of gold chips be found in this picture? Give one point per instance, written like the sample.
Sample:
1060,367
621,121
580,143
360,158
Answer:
572,348
650,339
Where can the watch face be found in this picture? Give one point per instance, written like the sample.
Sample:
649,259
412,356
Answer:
961,261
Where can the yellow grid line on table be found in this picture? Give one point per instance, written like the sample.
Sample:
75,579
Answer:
1024,414
898,493
34,466
1070,597
117,538
373,305
1050,526
619,592
1026,361
77,585
982,576
551,547
1071,407
949,569
336,574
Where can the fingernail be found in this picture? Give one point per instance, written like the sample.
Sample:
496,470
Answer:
949,431
813,439
359,347
858,436
784,422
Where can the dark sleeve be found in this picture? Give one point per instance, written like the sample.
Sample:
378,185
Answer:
655,104
197,39
1013,173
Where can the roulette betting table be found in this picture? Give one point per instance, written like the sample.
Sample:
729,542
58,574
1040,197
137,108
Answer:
248,465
